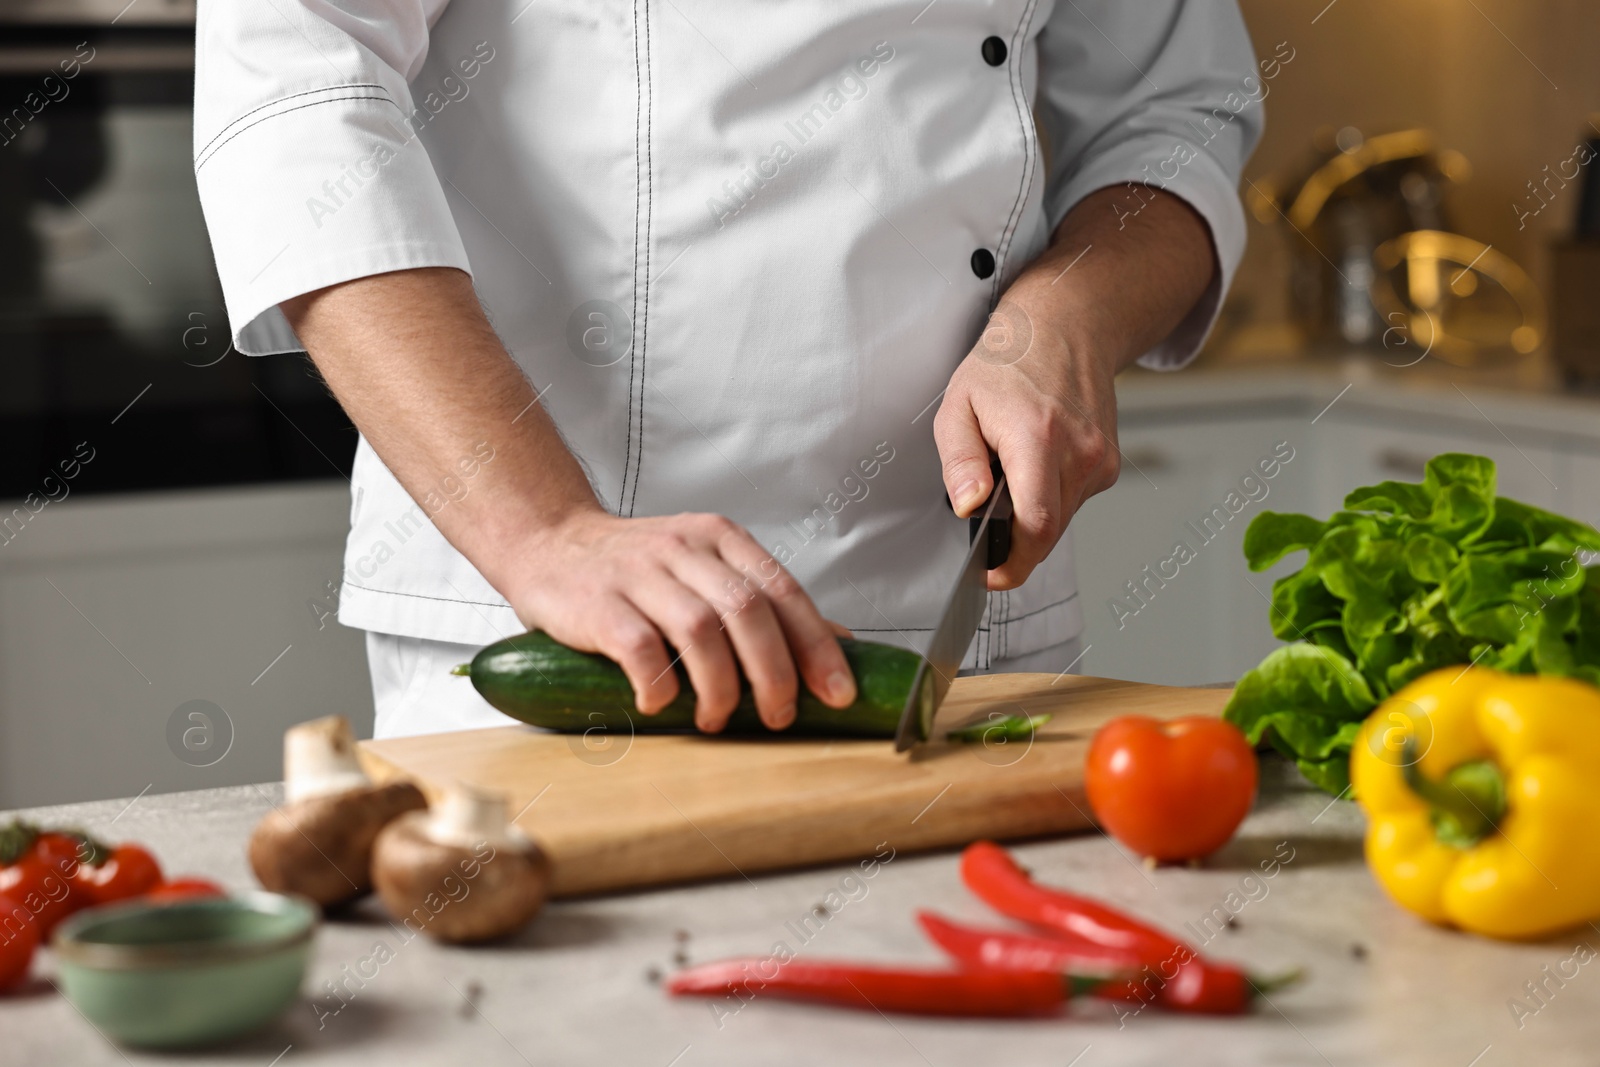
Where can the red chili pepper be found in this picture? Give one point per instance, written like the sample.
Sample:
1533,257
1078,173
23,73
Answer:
1000,882
1006,950
1194,986
1175,976
925,991
1198,985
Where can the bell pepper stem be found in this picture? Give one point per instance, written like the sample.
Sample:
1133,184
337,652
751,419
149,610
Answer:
461,670
1467,805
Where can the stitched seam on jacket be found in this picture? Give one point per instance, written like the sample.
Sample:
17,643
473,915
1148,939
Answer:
1005,635
633,347
997,613
425,596
630,467
1003,601
986,639
1005,631
1040,611
281,99
649,219
1028,153
299,107
978,659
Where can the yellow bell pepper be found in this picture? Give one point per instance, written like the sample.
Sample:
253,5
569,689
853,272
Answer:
1482,794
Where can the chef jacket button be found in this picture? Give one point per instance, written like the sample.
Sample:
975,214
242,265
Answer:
983,262
994,51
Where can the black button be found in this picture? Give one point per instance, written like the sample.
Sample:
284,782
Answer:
994,51
983,262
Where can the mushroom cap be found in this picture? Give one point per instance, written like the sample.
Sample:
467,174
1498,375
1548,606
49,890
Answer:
453,892
321,847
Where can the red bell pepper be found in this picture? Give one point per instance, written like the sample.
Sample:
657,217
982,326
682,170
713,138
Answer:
924,991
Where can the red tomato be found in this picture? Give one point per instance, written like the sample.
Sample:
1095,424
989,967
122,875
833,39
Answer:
46,894
186,889
1172,790
19,936
61,852
130,872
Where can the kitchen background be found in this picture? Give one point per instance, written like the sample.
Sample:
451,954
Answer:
172,514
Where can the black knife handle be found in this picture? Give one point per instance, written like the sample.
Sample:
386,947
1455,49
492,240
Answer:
999,533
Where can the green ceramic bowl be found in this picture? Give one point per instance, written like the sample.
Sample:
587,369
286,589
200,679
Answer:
187,973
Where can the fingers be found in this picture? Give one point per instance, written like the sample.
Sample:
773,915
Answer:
1033,475
811,639
839,629
694,628
963,454
622,633
752,630
695,589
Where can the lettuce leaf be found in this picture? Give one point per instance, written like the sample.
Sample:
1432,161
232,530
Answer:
1409,578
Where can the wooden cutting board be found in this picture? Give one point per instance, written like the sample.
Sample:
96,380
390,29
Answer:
620,813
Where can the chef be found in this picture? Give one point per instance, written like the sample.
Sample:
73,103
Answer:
669,324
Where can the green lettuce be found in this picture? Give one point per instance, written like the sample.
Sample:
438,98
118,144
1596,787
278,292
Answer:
1406,579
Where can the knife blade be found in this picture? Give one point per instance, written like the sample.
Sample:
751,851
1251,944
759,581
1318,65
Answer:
990,533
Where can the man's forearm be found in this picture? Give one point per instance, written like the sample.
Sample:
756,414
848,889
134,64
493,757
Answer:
416,365
1113,286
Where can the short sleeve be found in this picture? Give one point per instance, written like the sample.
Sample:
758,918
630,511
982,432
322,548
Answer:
1161,93
306,152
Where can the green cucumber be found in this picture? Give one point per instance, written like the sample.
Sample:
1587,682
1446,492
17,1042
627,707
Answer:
536,679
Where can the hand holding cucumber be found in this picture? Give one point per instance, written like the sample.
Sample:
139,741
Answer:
415,362
628,588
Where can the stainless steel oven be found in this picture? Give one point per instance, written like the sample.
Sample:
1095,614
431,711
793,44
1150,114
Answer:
112,330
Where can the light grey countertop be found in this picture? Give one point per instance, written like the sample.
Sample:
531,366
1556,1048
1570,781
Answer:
577,988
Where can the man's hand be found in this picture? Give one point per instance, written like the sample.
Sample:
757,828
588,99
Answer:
1051,417
416,365
617,586
1037,388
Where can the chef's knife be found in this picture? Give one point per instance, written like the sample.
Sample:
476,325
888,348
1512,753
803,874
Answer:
990,545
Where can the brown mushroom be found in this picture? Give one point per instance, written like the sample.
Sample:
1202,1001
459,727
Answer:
460,872
319,843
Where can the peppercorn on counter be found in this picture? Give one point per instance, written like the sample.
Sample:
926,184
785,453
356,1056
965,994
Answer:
584,982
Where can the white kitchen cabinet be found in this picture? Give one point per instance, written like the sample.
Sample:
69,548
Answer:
1195,441
116,612
1580,485
1364,445
1182,476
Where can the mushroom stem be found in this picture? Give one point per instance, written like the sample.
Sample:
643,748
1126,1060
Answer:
319,842
319,759
469,817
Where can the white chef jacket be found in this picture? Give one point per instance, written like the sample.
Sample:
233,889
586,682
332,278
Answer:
739,248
